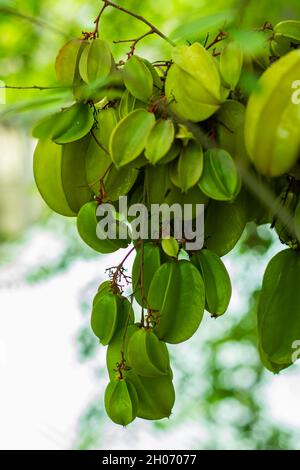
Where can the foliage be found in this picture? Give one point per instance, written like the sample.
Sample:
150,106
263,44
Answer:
201,124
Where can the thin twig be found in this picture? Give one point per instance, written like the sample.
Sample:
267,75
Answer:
34,87
96,31
134,41
206,40
117,273
138,17
127,256
266,27
98,143
220,37
122,352
142,282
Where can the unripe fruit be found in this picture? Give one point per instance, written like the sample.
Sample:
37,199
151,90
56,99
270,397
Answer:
216,281
110,313
231,61
169,295
159,140
278,312
59,172
87,225
272,119
67,61
156,395
289,29
96,61
220,179
188,170
129,137
224,225
147,355
150,265
138,79
121,401
193,85
230,131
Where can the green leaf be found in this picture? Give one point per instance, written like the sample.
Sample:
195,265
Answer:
251,42
52,100
70,124
200,27
79,124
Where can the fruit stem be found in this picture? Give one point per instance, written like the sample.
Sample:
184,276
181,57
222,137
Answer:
118,272
142,282
95,33
98,143
122,352
220,37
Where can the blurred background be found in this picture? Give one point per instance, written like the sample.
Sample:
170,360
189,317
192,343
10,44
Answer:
52,369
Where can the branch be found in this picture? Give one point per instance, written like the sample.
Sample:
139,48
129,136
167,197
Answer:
117,273
134,15
32,19
134,41
220,37
95,33
33,87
